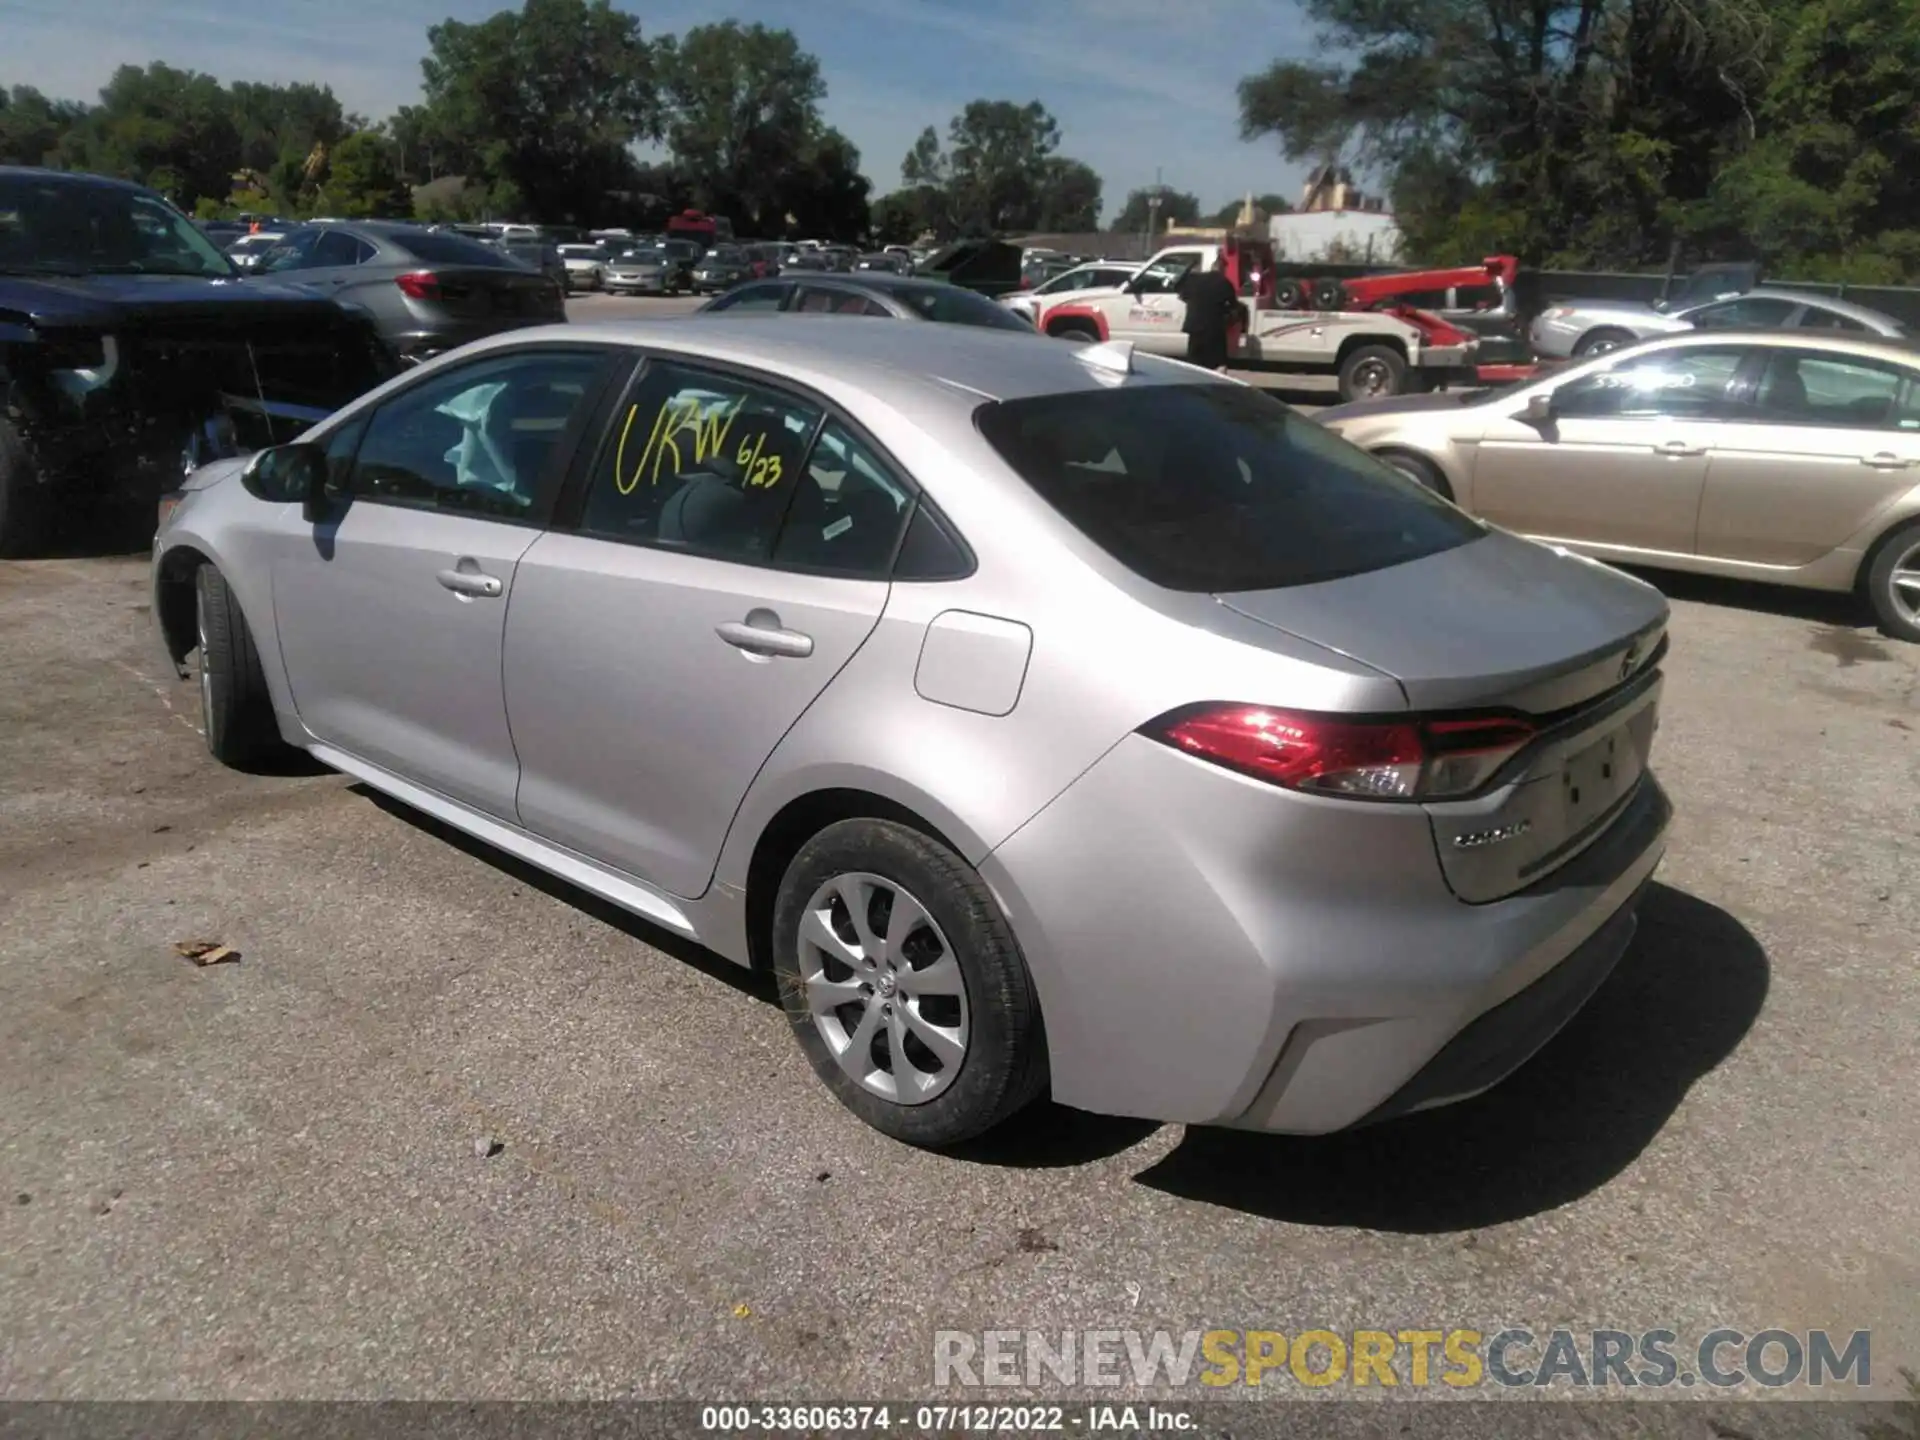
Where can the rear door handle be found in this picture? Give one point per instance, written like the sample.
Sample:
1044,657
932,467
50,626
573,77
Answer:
1885,460
761,635
471,582
1679,447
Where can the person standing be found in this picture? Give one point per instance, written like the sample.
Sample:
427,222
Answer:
1213,309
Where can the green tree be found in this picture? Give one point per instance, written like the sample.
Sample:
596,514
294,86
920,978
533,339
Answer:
995,168
172,129
547,100
828,194
1269,204
744,120
1177,207
1069,197
1570,130
905,215
363,179
32,127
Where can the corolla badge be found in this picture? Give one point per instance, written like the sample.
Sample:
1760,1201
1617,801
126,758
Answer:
1479,839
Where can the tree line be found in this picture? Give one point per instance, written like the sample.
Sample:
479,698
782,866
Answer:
540,113
1622,133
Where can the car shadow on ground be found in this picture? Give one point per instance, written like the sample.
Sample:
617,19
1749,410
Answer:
758,984
1576,1115
1823,607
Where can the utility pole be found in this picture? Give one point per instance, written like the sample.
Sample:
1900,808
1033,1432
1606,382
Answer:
1153,211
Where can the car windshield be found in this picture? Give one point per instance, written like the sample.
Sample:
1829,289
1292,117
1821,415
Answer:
650,256
442,248
1218,488
583,252
56,226
951,305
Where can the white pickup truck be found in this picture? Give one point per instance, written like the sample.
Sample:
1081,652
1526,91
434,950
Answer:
1371,352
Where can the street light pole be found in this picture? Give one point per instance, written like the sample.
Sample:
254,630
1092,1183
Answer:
1153,211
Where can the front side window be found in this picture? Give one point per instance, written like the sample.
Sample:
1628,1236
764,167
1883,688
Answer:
1826,390
336,247
481,440
1217,488
748,299
1813,317
1166,273
701,462
1679,384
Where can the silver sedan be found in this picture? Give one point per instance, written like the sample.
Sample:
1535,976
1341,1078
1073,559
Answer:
1581,329
1048,719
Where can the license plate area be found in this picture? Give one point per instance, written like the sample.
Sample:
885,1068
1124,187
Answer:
1596,778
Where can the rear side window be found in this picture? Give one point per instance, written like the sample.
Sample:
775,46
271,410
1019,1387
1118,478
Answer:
1218,488
441,248
951,305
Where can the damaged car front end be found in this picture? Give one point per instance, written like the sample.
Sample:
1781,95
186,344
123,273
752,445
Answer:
132,351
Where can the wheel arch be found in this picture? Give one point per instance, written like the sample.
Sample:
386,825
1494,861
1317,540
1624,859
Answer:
1086,313
174,578
798,821
1439,471
1907,519
1365,338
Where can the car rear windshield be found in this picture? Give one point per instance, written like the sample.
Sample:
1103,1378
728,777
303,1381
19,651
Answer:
1218,487
441,248
951,305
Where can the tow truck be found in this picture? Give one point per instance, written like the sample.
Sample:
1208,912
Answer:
1358,330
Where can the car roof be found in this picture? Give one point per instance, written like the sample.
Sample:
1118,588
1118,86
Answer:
1899,349
82,178
885,361
1865,314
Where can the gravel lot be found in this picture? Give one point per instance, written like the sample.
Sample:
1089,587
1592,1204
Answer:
262,1180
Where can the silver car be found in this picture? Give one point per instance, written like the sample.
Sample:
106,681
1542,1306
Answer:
1585,328
649,270
1047,718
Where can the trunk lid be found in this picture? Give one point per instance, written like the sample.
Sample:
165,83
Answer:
1506,625
480,293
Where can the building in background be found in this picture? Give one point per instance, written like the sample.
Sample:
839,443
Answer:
1336,221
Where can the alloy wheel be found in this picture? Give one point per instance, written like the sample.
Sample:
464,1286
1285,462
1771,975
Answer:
1372,378
884,988
1903,584
206,667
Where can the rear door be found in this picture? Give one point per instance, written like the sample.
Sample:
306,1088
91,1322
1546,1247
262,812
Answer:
331,260
390,613
722,557
1623,464
1827,441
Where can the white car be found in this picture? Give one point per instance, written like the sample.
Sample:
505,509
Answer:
1081,277
586,265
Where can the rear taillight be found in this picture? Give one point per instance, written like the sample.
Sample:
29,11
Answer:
1400,759
419,285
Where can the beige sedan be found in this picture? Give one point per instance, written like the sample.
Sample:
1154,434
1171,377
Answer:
1781,456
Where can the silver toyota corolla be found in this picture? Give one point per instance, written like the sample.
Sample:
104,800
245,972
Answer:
1048,718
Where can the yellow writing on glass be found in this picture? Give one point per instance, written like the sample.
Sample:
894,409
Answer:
684,432
763,470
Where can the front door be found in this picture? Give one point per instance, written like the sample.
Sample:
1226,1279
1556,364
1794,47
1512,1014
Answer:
390,613
1622,464
1830,441
1151,313
729,556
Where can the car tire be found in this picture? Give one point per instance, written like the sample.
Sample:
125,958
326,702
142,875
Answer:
1372,372
978,998
24,508
1896,605
1599,342
1079,330
236,709
1417,468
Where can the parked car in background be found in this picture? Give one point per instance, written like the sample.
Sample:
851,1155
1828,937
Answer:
804,258
841,258
646,270
426,291
1582,328
1082,277
130,349
248,250
721,268
686,255
1786,456
586,265
541,256
894,297
1374,774
883,261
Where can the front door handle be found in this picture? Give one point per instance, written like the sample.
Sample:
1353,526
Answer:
1679,447
762,634
471,582
1885,460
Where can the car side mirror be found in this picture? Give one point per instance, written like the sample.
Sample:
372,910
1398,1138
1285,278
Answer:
288,473
1540,410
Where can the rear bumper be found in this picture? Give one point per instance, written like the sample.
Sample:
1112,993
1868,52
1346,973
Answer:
1209,950
413,346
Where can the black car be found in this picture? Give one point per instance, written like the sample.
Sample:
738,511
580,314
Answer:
894,297
132,349
721,268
